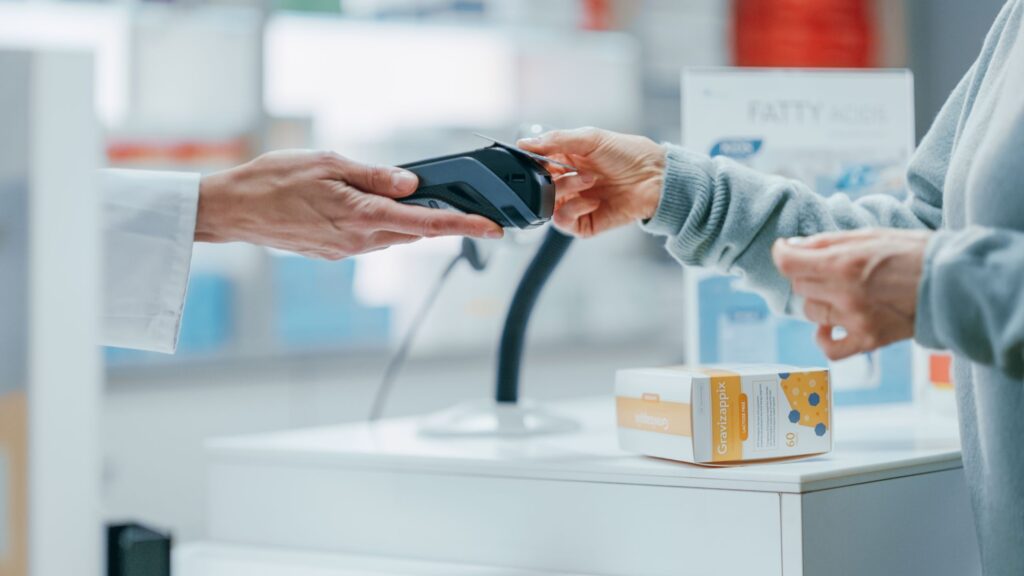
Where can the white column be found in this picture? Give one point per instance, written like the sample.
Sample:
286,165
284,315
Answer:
49,152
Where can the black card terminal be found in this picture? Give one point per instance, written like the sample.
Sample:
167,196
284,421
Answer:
499,182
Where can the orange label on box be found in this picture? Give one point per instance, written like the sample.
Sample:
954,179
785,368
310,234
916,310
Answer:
651,414
744,427
727,421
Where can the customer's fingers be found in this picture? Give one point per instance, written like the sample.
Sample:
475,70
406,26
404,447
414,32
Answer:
826,239
382,180
817,288
555,169
819,312
430,222
837,348
579,141
574,183
794,262
572,210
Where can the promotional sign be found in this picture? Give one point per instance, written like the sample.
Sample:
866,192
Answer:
837,131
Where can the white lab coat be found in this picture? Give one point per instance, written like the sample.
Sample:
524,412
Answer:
149,222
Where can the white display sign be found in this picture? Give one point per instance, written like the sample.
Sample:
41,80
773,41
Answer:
839,132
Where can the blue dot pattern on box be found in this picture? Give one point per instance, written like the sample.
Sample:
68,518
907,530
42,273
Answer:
819,429
794,416
783,375
814,399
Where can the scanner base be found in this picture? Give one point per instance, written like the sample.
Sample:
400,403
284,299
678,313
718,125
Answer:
487,418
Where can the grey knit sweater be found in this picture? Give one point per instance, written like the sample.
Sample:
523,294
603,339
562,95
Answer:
966,180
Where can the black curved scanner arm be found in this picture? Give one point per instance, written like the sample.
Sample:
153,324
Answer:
510,353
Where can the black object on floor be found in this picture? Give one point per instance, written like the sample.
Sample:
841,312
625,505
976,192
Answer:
135,550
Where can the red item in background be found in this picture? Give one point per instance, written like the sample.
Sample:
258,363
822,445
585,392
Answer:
186,152
597,14
939,369
804,33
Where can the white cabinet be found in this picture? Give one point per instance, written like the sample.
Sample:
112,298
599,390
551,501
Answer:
890,499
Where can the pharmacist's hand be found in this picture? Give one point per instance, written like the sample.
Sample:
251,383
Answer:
619,179
323,205
864,281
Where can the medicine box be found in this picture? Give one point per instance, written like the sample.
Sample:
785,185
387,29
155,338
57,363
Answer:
725,414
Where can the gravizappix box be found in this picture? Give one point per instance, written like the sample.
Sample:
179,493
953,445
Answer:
725,414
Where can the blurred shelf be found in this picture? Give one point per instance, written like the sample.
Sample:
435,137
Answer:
161,365
373,360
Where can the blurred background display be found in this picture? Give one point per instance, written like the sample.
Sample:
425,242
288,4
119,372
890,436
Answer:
272,341
842,131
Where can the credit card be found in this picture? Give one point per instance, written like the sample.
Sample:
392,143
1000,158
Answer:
533,155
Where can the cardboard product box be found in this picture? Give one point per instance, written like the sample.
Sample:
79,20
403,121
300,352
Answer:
726,414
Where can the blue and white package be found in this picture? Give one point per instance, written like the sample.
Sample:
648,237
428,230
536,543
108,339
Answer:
315,306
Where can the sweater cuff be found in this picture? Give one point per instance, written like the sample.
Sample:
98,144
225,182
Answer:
924,320
683,176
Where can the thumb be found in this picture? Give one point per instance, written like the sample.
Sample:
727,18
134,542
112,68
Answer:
579,141
827,239
381,180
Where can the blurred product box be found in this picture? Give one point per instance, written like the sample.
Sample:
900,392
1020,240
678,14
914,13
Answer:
207,323
722,415
315,306
315,6
839,132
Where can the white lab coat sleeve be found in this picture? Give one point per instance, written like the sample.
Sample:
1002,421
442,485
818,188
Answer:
148,221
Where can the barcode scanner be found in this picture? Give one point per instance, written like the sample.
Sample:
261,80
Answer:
499,182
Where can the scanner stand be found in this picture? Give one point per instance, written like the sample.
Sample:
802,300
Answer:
490,418
506,415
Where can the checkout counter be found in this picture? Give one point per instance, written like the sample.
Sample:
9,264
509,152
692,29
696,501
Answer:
383,499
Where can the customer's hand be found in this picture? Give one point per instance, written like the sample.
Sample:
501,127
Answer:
619,179
323,205
864,281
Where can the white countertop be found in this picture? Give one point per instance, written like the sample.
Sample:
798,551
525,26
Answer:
871,444
214,559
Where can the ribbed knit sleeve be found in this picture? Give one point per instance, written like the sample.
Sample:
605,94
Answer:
722,215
